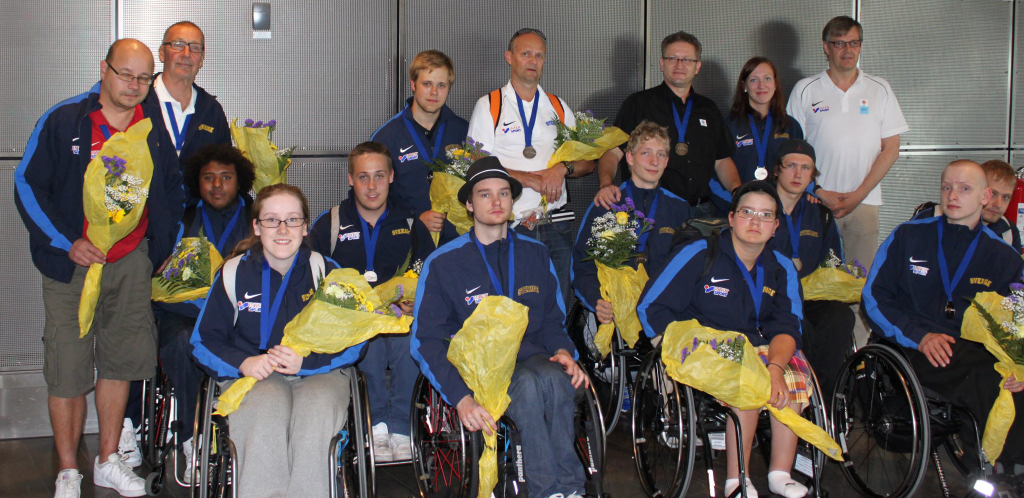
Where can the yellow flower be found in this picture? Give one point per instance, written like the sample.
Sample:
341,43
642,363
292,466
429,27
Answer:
410,274
608,234
116,216
621,217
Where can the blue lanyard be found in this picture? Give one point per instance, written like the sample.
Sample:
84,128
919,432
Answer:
948,285
370,238
762,144
208,226
756,290
528,126
105,130
794,228
511,266
267,322
427,155
681,125
179,136
641,242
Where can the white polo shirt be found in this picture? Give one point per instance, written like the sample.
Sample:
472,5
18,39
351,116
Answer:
846,128
507,140
180,115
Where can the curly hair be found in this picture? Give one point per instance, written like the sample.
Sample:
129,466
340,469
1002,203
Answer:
224,154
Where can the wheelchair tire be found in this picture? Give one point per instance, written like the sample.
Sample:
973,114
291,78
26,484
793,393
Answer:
607,375
215,470
881,422
350,451
441,452
590,442
663,417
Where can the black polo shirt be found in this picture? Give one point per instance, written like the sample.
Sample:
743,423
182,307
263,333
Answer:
706,135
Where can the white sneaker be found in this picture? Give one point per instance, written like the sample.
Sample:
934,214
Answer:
128,446
186,449
401,447
382,444
69,484
116,475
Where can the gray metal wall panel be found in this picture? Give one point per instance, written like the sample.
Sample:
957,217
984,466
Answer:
324,180
1017,108
941,74
21,315
53,50
325,76
732,31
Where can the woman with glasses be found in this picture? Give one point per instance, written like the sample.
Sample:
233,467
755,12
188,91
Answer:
751,289
284,424
757,122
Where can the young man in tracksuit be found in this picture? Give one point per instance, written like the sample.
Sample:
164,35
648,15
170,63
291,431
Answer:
374,237
647,156
494,260
918,305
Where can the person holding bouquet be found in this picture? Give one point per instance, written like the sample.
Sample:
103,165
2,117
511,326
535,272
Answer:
921,282
282,427
751,289
492,260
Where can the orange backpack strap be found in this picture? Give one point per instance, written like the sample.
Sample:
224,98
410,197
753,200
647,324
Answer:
557,104
495,98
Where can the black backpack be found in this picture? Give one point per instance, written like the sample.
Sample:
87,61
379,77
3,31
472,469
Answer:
695,229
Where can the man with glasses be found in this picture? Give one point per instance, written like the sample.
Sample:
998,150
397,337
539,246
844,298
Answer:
854,123
701,148
516,123
122,344
193,118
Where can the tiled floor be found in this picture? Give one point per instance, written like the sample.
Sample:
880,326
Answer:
28,467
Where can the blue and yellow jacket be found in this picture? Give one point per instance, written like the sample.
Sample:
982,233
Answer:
818,235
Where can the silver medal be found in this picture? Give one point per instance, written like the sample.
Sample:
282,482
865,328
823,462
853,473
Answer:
370,276
761,173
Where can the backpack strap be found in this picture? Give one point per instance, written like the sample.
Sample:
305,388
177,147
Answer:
495,100
712,253
557,104
228,273
317,267
188,218
335,220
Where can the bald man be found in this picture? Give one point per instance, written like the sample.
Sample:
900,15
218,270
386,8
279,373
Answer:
918,306
48,193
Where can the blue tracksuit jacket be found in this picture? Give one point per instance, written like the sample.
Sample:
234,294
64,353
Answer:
815,240
208,125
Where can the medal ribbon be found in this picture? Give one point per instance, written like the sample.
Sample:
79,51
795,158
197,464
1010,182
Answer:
370,238
429,155
948,285
762,144
756,289
268,315
681,125
511,266
528,126
106,131
208,226
179,135
794,228
641,241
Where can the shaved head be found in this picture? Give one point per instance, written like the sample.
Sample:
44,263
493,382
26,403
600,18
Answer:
131,45
964,192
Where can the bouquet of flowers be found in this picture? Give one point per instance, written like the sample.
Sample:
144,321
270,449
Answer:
254,140
114,194
612,243
726,366
586,141
403,285
449,177
189,272
343,312
835,281
997,322
484,351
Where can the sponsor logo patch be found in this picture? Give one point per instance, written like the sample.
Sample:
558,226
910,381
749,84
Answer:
511,129
716,290
919,270
252,307
471,300
342,237
412,156
745,143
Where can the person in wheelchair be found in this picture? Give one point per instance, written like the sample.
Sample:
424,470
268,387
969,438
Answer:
284,424
647,156
492,259
808,234
920,285
751,289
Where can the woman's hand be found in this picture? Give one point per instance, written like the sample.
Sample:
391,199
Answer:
257,367
604,312
780,390
284,360
475,417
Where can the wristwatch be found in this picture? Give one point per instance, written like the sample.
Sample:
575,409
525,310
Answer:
569,168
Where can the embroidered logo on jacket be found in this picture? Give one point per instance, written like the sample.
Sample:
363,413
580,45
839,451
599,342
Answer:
252,307
668,230
981,281
412,156
919,270
526,289
400,231
342,237
471,300
306,296
206,128
716,290
809,233
769,291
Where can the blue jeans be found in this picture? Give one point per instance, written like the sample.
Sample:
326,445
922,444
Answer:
558,238
390,405
174,332
542,407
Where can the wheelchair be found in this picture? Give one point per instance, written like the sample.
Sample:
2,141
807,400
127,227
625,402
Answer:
350,452
159,432
444,454
612,376
671,420
889,426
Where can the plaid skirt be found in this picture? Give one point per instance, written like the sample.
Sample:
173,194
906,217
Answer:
797,374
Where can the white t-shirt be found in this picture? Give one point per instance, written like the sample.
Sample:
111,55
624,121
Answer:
846,128
507,141
180,115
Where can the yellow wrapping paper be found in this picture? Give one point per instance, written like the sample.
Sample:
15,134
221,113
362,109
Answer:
444,198
745,386
621,287
578,151
255,144
164,293
484,351
324,328
832,284
131,146
975,328
390,288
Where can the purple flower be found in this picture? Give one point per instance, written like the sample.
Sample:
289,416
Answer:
589,113
272,123
629,202
714,343
649,221
695,343
249,122
640,214
1017,287
396,309
259,124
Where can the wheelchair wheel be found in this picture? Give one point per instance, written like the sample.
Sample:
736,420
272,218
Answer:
881,422
590,440
215,457
440,454
607,375
351,451
663,428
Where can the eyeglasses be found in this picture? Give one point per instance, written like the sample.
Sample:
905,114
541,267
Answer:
679,60
143,79
274,222
749,214
840,44
178,46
